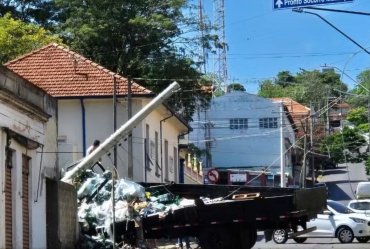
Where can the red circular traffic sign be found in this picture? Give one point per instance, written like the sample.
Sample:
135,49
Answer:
213,175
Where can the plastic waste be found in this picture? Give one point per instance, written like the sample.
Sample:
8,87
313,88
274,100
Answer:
127,190
89,186
122,212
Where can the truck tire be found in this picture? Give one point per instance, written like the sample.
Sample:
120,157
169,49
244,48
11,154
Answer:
247,237
217,237
280,236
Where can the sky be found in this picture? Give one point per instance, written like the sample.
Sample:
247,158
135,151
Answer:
263,41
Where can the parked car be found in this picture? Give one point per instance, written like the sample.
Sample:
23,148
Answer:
361,206
363,190
328,163
337,221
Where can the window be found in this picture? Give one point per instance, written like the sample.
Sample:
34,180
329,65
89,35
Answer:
360,205
268,123
239,123
340,208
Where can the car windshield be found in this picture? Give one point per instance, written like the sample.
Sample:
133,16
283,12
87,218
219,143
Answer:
360,205
340,208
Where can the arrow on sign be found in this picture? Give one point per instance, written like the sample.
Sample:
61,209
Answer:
279,3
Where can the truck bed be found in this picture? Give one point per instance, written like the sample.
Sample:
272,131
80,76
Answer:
272,207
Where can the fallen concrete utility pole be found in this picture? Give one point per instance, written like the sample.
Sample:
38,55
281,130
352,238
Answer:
123,131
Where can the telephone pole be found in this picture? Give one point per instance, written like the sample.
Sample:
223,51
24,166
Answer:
130,167
208,127
311,145
115,119
303,169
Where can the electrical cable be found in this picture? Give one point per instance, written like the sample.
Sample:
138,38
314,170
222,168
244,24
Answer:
264,171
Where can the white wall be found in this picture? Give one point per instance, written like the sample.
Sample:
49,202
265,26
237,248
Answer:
99,125
170,131
46,135
254,146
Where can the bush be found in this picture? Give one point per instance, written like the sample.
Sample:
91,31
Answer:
367,166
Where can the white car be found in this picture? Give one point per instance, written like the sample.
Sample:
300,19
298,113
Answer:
360,206
338,221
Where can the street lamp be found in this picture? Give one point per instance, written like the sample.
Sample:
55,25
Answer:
357,83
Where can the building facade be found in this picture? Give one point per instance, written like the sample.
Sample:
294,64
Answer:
28,146
84,91
244,132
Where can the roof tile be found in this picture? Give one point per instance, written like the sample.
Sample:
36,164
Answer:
64,73
293,106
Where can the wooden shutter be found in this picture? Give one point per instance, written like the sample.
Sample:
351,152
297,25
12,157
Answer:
8,202
25,204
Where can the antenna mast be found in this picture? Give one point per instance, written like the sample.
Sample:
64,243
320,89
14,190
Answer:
220,64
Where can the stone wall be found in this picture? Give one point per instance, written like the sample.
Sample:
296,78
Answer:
67,215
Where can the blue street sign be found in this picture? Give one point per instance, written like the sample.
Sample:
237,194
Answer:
288,4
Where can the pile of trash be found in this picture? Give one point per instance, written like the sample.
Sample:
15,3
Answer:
131,201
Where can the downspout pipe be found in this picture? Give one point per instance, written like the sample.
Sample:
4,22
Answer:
182,171
83,127
161,142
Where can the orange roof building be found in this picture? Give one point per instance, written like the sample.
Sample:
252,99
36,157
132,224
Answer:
64,73
296,110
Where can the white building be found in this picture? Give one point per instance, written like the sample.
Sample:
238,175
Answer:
84,91
243,131
28,127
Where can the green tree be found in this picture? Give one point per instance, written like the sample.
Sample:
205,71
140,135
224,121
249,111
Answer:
358,116
235,87
340,146
367,166
40,12
18,38
285,78
147,39
359,96
268,89
305,87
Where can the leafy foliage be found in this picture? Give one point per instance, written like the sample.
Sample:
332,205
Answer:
18,38
235,87
305,87
151,40
367,166
338,146
358,116
360,96
40,12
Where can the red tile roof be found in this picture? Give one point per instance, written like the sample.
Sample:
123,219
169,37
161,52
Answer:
207,88
294,107
341,105
64,73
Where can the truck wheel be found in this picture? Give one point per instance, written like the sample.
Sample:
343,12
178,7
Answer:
300,240
345,235
217,237
363,239
280,236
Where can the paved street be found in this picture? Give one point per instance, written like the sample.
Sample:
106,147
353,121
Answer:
340,190
309,244
338,181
